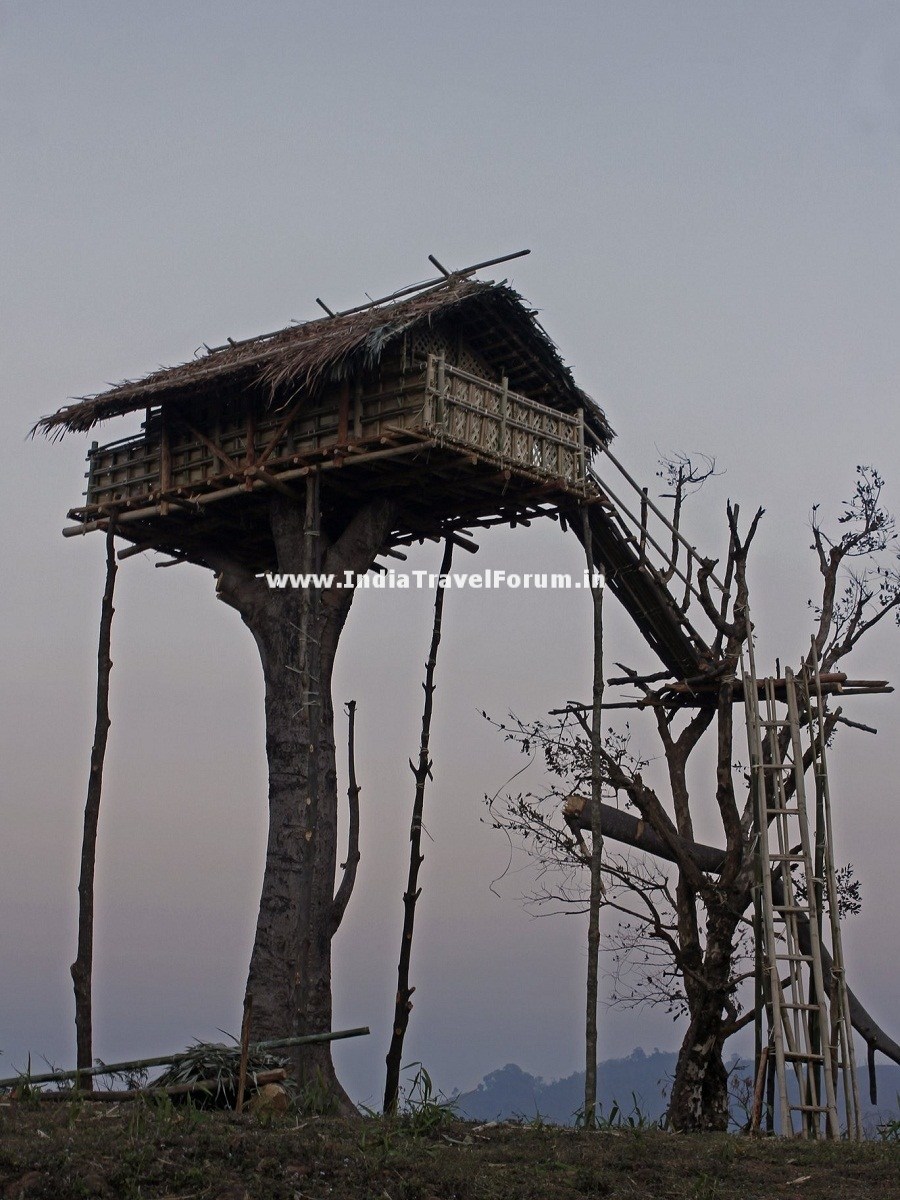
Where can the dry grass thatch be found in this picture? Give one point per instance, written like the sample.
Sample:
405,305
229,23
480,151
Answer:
308,355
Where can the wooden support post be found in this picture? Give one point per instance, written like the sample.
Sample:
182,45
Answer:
439,402
422,773
83,966
593,937
165,456
504,413
251,434
759,1088
358,410
343,431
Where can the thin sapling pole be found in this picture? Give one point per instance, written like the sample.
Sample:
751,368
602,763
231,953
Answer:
593,938
245,1054
421,774
83,967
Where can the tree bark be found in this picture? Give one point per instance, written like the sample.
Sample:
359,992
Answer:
83,967
699,1099
403,1003
297,631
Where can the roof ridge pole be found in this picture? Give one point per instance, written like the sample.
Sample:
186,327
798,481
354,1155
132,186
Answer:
445,277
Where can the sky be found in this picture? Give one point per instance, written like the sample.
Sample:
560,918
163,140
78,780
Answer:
709,192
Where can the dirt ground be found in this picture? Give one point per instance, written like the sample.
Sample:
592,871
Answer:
76,1149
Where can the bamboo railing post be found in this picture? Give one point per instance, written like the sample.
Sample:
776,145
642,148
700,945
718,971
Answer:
83,967
504,416
165,457
421,773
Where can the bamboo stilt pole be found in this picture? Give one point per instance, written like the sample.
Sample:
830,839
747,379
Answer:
593,936
412,893
83,967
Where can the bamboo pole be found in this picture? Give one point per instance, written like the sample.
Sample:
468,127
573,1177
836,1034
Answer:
137,1064
593,936
422,772
759,1088
82,968
174,1089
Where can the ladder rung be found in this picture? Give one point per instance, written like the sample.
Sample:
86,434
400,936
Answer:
796,1056
810,1108
799,1007
782,812
794,957
798,858
792,908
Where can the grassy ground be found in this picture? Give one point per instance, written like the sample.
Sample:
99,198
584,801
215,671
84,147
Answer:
64,1150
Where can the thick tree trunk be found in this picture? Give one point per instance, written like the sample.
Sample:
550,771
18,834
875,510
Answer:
297,632
699,1100
290,968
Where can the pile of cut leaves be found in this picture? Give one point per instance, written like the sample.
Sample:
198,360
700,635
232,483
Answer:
218,1066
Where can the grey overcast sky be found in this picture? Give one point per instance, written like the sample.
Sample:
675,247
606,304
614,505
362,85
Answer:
710,194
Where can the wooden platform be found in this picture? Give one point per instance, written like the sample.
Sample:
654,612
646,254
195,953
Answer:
454,448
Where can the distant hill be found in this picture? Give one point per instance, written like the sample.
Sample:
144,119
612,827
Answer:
638,1084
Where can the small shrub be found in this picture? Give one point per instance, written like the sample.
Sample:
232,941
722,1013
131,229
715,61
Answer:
424,1109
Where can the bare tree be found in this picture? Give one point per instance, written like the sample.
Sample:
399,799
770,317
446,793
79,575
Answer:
688,935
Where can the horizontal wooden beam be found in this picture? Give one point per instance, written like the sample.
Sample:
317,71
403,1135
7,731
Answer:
71,1095
138,1064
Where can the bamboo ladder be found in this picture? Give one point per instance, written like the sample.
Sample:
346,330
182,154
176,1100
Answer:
809,1030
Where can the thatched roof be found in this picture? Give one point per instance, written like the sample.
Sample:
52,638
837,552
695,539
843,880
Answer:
331,348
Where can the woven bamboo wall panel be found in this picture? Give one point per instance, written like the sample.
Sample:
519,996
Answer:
210,446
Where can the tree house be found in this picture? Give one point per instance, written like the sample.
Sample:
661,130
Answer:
318,448
454,401
329,443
